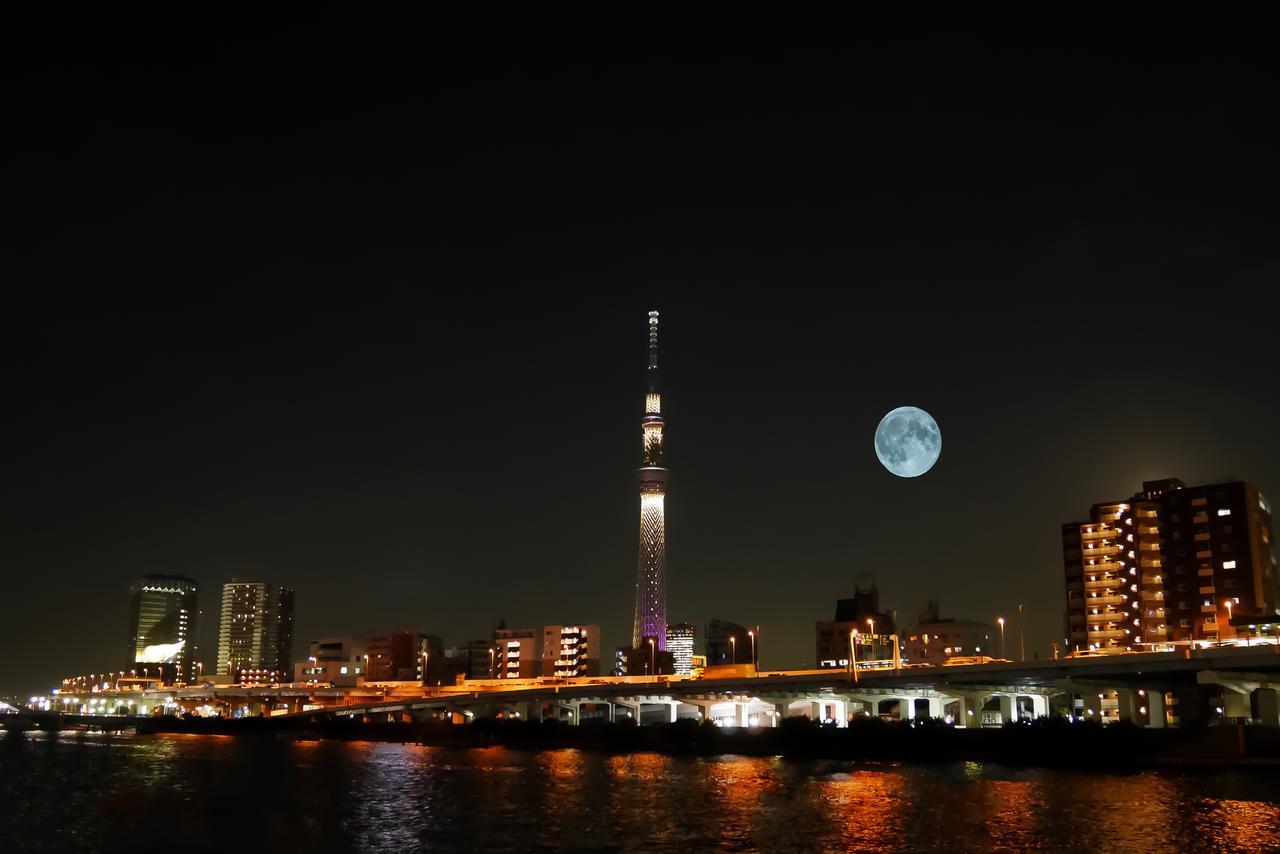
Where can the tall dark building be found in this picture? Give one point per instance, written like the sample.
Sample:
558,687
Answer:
727,643
651,572
255,637
1171,564
162,625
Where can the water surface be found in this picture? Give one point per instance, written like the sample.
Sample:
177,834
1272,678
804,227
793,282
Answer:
181,793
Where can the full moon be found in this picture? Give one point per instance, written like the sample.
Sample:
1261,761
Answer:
908,441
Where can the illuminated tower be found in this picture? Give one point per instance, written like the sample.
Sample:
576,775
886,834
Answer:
651,574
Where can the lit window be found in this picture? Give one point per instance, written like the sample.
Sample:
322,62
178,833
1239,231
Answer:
1224,512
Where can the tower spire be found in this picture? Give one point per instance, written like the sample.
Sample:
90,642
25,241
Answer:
653,351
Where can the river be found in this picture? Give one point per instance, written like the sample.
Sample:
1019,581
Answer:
184,793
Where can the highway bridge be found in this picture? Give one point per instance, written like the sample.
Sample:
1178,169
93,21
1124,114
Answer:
1150,689
1165,689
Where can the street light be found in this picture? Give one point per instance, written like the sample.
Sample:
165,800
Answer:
871,624
490,662
733,643
853,653
1000,620
426,661
1022,639
653,658
752,635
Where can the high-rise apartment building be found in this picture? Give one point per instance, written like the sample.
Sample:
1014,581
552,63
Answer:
1171,564
162,625
680,643
651,572
255,636
571,650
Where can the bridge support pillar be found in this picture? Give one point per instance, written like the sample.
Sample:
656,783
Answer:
1092,705
1127,705
1039,705
1266,708
906,708
936,708
1235,704
1008,708
1155,709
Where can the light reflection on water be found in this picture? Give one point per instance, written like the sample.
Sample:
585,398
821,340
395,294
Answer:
204,793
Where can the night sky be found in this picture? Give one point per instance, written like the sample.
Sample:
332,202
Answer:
361,309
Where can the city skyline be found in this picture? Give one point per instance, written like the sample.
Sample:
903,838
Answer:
405,383
786,629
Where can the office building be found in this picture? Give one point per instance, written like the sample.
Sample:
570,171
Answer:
1173,564
651,573
255,636
648,660
681,638
339,660
571,650
858,621
935,640
163,630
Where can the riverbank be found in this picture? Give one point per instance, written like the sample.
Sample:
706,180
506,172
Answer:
1049,742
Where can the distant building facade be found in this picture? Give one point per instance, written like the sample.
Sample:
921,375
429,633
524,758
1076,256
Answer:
570,651
681,639
402,656
727,643
472,660
1172,564
934,640
255,636
517,653
339,660
163,631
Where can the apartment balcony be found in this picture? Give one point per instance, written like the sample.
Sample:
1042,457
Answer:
1108,617
1200,519
1105,566
1210,590
1205,572
1208,609
1104,584
1099,534
1101,551
1202,538
1105,633
1152,579
1204,555
1100,601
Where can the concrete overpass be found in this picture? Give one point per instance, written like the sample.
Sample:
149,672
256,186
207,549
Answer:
1150,689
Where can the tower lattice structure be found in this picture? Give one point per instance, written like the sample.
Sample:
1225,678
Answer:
651,572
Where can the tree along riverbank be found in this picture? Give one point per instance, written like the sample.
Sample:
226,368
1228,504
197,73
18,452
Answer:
1054,742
